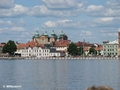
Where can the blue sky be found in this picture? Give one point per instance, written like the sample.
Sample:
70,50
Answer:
92,20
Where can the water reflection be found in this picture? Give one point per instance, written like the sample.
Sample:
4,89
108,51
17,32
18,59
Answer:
59,74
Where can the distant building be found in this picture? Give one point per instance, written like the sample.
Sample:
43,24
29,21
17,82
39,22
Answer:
110,48
46,39
1,46
40,52
38,48
119,43
87,46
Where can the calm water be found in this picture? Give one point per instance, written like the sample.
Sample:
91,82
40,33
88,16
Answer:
58,74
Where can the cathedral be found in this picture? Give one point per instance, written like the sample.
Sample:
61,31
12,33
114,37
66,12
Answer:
46,39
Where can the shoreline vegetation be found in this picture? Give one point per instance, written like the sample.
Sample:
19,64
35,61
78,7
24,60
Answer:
59,58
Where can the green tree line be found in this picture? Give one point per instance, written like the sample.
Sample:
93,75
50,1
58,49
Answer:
73,50
10,48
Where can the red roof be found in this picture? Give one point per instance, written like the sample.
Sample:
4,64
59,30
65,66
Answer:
2,44
62,43
29,44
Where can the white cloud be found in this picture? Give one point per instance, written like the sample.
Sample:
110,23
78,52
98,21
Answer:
94,8
39,11
111,35
60,4
43,11
5,22
21,22
3,30
104,20
37,29
85,34
17,29
57,23
50,8
111,9
59,8
65,24
6,4
16,11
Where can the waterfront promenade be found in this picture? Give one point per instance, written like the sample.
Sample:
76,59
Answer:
69,58
58,58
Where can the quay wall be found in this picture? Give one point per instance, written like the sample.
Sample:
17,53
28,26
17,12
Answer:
59,58
69,58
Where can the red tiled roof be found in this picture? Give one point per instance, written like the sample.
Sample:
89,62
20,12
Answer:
29,44
62,43
99,48
21,45
2,44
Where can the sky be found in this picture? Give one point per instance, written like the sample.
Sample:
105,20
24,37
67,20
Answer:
94,21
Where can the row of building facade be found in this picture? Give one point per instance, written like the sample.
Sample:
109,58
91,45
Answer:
54,45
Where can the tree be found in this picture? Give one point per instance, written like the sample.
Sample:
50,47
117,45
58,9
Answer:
10,47
80,51
72,49
92,51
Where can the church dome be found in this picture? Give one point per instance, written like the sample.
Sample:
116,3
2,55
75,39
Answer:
53,34
58,37
61,34
36,34
46,34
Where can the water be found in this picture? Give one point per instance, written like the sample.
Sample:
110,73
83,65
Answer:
58,74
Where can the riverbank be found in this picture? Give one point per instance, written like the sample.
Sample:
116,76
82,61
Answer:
58,58
11,58
68,58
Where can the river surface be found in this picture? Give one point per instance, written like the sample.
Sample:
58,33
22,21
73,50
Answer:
58,74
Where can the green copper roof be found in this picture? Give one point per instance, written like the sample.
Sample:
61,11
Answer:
46,34
53,33
36,34
61,34
58,37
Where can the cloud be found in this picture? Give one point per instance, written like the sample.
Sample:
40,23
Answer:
85,34
37,29
111,22
94,8
16,11
5,4
111,9
21,22
17,29
43,11
49,8
60,4
5,23
2,30
104,20
65,24
59,8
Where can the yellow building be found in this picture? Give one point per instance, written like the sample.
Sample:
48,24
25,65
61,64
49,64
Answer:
46,39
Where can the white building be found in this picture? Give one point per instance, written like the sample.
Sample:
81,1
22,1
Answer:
110,48
40,52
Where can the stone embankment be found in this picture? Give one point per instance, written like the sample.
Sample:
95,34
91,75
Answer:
59,58
68,58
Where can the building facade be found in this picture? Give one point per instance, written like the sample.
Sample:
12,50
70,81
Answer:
119,43
110,48
40,52
46,39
